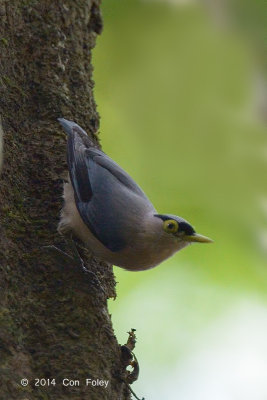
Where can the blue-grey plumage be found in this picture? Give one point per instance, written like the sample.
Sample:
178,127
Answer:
107,210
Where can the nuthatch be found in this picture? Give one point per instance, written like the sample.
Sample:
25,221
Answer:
109,212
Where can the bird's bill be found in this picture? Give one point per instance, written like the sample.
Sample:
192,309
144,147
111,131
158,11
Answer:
196,237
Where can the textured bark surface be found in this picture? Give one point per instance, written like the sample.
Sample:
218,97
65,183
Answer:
54,321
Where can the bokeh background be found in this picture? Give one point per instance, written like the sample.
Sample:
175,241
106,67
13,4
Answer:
181,90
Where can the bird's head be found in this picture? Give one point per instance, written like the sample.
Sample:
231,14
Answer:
180,230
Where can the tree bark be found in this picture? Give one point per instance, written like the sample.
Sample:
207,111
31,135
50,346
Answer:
54,322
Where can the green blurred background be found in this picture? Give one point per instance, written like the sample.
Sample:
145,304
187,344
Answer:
176,94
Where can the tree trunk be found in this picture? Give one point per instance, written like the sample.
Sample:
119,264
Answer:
54,322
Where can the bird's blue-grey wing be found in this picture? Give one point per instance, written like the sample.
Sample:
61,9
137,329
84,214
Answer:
105,195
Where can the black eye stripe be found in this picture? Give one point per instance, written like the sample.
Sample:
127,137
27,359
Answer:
183,226
186,228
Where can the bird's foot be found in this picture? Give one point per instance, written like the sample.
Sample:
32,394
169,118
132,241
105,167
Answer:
75,259
59,253
63,256
76,256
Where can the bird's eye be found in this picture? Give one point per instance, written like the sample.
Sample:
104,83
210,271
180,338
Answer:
170,226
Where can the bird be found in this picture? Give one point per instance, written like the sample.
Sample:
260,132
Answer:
110,213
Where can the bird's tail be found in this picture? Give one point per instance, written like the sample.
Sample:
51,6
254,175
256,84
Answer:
69,126
72,129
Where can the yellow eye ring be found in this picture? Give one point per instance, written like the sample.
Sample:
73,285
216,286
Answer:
170,226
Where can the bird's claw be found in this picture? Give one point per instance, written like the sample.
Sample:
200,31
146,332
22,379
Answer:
77,261
66,257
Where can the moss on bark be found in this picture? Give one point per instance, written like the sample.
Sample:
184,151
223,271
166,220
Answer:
54,321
